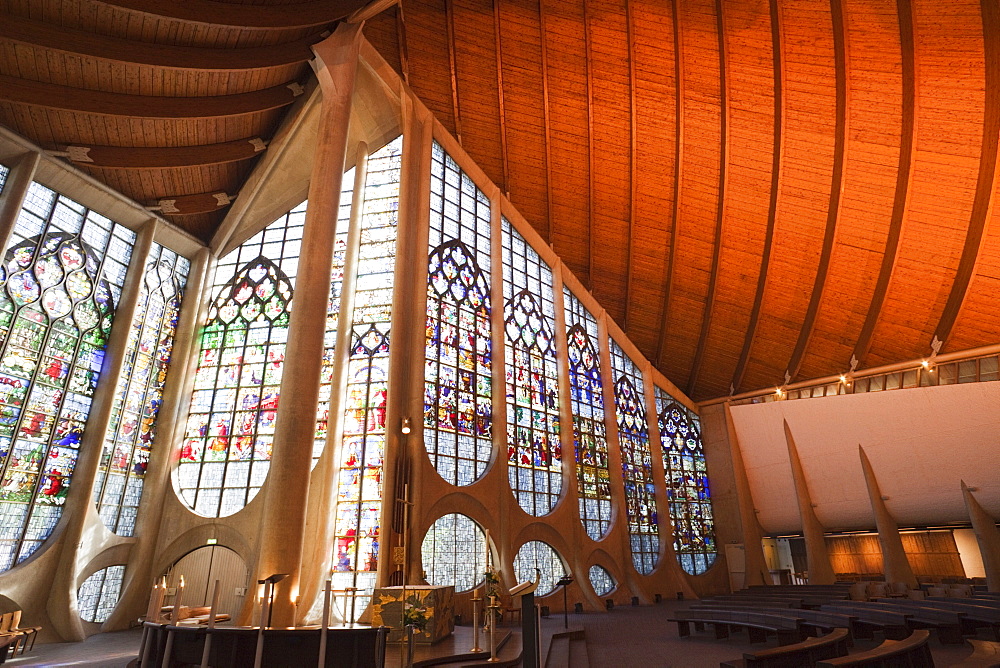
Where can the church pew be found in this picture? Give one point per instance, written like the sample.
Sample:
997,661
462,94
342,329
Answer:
804,653
758,625
947,623
893,625
816,621
973,616
912,651
985,654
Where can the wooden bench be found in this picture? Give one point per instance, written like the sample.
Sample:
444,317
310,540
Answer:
804,653
745,603
947,623
814,622
8,643
973,616
758,625
893,625
985,654
912,651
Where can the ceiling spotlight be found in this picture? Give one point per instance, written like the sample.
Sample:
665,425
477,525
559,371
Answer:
406,426
779,392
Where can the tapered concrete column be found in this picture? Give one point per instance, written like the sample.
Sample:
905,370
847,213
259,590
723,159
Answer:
817,555
19,179
988,537
284,518
894,561
81,524
756,565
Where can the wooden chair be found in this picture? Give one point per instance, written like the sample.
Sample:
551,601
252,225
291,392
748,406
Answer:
5,624
25,631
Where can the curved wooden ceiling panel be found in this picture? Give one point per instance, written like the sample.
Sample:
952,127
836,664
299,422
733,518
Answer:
750,187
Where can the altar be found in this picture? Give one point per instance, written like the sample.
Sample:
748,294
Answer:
430,609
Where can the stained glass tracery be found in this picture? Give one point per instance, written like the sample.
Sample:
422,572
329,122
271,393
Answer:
637,469
359,487
458,405
226,451
454,553
60,284
536,554
587,403
534,453
132,428
98,594
687,485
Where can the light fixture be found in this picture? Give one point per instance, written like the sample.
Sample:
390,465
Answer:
779,392
212,541
406,426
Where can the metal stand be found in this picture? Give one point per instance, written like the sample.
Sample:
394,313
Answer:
475,624
564,582
493,608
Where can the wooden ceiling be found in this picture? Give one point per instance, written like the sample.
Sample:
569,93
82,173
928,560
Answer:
751,188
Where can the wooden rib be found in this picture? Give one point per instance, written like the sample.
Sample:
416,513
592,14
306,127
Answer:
404,60
983,202
68,98
187,205
833,209
678,158
103,47
631,166
765,261
590,149
904,10
246,17
546,232
505,186
456,109
126,157
706,320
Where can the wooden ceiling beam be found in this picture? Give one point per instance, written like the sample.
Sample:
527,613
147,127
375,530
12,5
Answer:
706,319
590,149
68,98
547,233
678,162
188,205
983,203
777,154
505,187
456,108
633,140
904,175
243,17
103,47
836,187
128,157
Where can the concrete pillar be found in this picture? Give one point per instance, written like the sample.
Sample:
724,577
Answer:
988,537
894,562
81,524
756,565
284,518
817,555
15,188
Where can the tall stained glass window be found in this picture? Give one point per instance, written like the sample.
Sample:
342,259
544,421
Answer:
534,454
536,554
359,488
637,469
601,580
587,402
458,405
687,485
140,391
60,283
333,315
454,553
98,595
226,450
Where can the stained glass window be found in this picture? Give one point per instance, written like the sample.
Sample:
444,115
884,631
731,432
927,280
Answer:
458,406
226,450
587,402
131,431
59,286
3,176
98,595
333,315
359,488
536,554
454,553
687,485
601,580
534,453
637,469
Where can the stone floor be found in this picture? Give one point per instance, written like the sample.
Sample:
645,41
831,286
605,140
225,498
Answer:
626,637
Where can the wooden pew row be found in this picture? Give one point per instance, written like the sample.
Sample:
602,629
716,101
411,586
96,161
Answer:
912,651
805,653
758,625
985,654
814,622
948,624
973,616
893,625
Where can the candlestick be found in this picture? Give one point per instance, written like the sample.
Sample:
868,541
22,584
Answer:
152,600
211,625
259,654
487,549
158,606
176,615
327,591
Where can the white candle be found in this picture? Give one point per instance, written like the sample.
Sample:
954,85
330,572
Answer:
161,591
327,591
215,605
176,615
487,549
152,600
260,631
